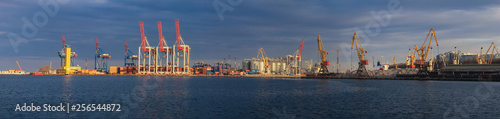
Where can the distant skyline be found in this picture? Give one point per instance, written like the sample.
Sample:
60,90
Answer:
30,32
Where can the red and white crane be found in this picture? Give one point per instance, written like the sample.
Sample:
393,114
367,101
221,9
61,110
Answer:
183,51
294,61
146,53
163,58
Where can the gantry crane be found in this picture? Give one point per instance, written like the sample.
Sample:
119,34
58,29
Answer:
362,62
411,57
101,59
423,52
181,48
130,57
493,48
146,53
164,58
262,54
323,70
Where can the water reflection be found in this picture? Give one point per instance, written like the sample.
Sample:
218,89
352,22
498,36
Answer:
66,94
162,97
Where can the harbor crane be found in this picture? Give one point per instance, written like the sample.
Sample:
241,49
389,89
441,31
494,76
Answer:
101,59
323,70
262,54
493,48
362,62
411,57
294,61
130,57
146,53
423,52
164,53
183,51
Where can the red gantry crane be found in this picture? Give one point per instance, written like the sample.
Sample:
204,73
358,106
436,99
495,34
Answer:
164,57
183,51
146,53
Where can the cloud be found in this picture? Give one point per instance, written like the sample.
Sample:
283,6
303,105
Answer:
278,26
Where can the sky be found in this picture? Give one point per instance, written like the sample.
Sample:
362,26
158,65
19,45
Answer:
31,30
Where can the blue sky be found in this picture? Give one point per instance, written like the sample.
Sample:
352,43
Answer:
277,25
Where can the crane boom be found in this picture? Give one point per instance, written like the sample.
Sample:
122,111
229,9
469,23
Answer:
96,46
360,50
64,42
300,51
19,66
143,37
493,48
425,48
160,36
178,34
126,49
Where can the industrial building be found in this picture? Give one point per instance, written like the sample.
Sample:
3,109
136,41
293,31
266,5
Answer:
276,65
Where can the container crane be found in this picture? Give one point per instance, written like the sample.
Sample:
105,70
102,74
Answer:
101,59
146,53
323,71
362,62
164,53
130,57
423,53
181,48
264,58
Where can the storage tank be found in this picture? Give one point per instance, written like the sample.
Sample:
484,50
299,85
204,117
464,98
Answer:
273,67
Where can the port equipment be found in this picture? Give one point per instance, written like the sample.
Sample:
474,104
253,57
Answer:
101,59
164,55
410,60
181,48
493,48
67,59
395,63
130,57
324,62
423,52
146,55
361,56
294,62
262,54
20,69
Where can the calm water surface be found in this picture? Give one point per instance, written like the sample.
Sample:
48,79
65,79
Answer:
237,97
